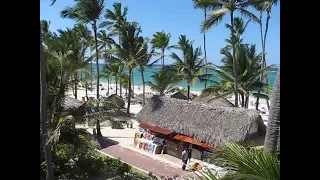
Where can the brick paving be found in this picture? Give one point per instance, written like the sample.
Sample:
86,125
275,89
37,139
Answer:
141,161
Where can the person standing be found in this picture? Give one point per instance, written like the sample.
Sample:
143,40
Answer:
184,158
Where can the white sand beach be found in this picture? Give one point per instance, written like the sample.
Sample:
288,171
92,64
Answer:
138,90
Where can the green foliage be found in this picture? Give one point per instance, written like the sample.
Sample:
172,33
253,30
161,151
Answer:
251,163
248,163
72,163
164,81
190,66
247,63
278,149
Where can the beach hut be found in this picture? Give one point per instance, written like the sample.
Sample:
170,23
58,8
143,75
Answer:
118,99
139,97
202,125
214,102
71,106
183,95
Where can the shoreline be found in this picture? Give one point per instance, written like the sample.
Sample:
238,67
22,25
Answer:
138,90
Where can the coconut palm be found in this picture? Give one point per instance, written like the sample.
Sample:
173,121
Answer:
263,6
130,49
114,19
191,66
43,110
248,68
164,81
273,128
104,40
221,8
142,62
125,82
113,69
85,37
87,11
248,163
203,5
73,40
161,41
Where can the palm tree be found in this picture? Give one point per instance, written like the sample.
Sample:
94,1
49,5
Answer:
161,41
164,81
125,82
129,49
113,69
221,8
191,66
43,112
204,6
248,163
273,128
87,11
261,6
104,40
114,20
142,62
248,69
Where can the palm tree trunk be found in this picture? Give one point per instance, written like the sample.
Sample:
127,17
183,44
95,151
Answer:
162,58
108,85
97,57
143,88
86,91
242,100
268,104
132,85
120,84
98,127
43,109
91,71
262,65
129,99
246,104
204,46
75,89
188,95
273,128
116,86
235,75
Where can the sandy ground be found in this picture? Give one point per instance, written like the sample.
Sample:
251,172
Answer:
138,90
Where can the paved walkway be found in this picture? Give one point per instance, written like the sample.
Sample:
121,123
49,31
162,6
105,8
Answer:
141,161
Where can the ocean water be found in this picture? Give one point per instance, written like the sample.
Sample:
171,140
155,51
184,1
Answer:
199,86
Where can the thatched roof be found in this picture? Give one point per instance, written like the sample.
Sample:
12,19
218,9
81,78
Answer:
118,99
214,102
139,97
206,123
183,95
69,103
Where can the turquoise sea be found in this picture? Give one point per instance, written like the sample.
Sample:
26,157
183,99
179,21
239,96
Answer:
199,86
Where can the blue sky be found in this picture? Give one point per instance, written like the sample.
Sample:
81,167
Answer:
178,17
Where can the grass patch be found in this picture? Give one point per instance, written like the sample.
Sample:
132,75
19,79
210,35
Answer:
138,172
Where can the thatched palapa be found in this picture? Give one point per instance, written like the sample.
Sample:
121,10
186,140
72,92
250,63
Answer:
69,103
214,102
183,96
204,122
119,100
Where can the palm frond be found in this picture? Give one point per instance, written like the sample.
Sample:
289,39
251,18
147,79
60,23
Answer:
211,20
